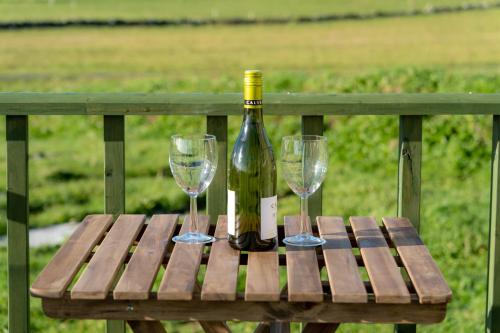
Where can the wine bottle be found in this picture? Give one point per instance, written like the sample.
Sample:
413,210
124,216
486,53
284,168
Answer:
252,200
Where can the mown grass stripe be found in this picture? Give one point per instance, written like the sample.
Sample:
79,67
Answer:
119,22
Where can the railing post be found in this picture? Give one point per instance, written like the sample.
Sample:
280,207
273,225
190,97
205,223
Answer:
410,160
493,295
217,191
114,181
313,125
17,223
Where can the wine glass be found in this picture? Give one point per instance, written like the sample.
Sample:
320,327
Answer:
304,161
193,161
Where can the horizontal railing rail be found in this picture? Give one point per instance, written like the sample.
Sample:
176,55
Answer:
217,107
230,104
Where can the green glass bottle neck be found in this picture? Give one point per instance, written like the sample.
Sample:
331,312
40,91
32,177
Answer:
252,115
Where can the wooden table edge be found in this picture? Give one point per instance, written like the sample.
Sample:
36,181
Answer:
326,311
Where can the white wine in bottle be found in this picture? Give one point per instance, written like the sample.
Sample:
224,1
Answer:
252,200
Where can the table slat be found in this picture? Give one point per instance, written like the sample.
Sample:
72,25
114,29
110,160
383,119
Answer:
142,268
182,268
97,278
340,263
428,280
263,280
304,282
60,271
221,276
387,282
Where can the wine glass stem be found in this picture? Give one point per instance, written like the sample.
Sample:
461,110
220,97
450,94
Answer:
193,211
304,214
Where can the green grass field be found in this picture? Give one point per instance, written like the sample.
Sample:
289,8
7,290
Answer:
312,57
37,10
443,53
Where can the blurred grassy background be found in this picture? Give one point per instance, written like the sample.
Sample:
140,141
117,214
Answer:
439,53
38,10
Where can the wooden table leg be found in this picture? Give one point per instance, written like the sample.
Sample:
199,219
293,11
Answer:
263,327
212,326
266,327
280,327
144,326
320,328
272,327
215,327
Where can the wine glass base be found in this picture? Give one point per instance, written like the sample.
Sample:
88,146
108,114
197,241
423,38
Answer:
193,238
306,240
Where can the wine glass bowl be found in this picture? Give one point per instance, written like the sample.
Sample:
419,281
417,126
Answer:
304,162
193,161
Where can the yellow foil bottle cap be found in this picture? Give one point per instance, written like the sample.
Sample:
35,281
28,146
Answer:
252,89
253,77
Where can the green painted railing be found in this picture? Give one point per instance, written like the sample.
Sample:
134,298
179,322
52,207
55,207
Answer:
217,107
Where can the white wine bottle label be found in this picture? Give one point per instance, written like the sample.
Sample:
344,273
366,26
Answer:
231,212
268,217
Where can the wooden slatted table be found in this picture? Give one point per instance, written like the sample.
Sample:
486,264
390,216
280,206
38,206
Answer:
84,280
